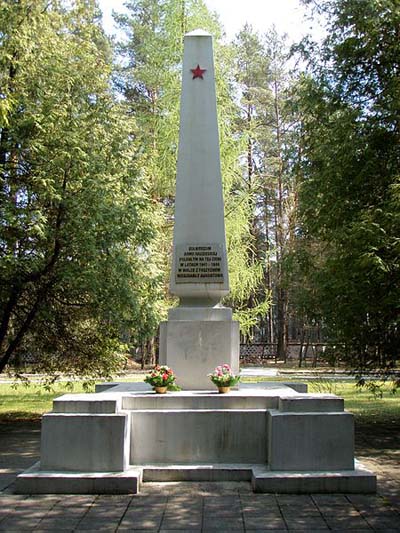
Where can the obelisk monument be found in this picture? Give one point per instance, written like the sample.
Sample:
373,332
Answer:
200,333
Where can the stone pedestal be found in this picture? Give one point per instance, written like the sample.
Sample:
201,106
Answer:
280,440
193,348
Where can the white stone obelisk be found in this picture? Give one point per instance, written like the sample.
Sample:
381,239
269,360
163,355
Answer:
199,334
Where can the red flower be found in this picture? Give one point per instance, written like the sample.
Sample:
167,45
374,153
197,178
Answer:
165,377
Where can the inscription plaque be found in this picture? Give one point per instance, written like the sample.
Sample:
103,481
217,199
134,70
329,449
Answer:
199,263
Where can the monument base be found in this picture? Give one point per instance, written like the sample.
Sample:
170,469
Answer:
263,480
279,439
193,348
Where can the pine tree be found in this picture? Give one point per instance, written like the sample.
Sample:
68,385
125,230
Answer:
267,126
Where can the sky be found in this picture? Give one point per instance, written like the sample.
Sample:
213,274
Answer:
287,15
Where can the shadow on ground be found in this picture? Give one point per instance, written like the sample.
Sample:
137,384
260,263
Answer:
201,507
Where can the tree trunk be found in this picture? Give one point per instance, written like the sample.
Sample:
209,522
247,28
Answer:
280,241
250,171
303,333
24,328
315,356
306,349
281,326
270,337
143,358
152,351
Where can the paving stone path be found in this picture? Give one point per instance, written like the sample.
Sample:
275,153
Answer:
180,507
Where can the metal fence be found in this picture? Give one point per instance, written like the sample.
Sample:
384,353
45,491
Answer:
258,350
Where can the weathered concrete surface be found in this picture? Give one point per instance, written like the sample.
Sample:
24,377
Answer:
204,472
312,403
266,398
198,436
200,313
85,442
35,480
95,403
194,348
310,441
357,481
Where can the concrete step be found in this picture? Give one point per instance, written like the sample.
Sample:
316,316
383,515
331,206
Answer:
311,403
37,481
202,472
94,403
357,481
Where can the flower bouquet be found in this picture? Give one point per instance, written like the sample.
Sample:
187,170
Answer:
224,378
161,378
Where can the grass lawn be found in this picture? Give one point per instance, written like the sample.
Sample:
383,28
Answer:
30,402
366,408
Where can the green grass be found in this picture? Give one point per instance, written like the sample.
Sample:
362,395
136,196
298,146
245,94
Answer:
363,404
30,402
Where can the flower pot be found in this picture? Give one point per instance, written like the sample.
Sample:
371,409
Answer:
161,390
223,390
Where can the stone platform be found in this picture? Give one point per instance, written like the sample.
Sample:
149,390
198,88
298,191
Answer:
280,439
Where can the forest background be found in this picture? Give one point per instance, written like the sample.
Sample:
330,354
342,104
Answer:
310,158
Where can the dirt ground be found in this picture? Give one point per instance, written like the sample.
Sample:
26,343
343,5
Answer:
378,447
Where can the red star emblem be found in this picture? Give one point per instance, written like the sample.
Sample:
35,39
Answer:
197,72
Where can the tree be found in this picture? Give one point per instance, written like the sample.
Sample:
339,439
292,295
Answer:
251,74
267,125
76,267
349,198
280,188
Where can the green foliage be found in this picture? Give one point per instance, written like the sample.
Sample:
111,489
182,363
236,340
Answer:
350,173
248,318
76,232
265,128
29,402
